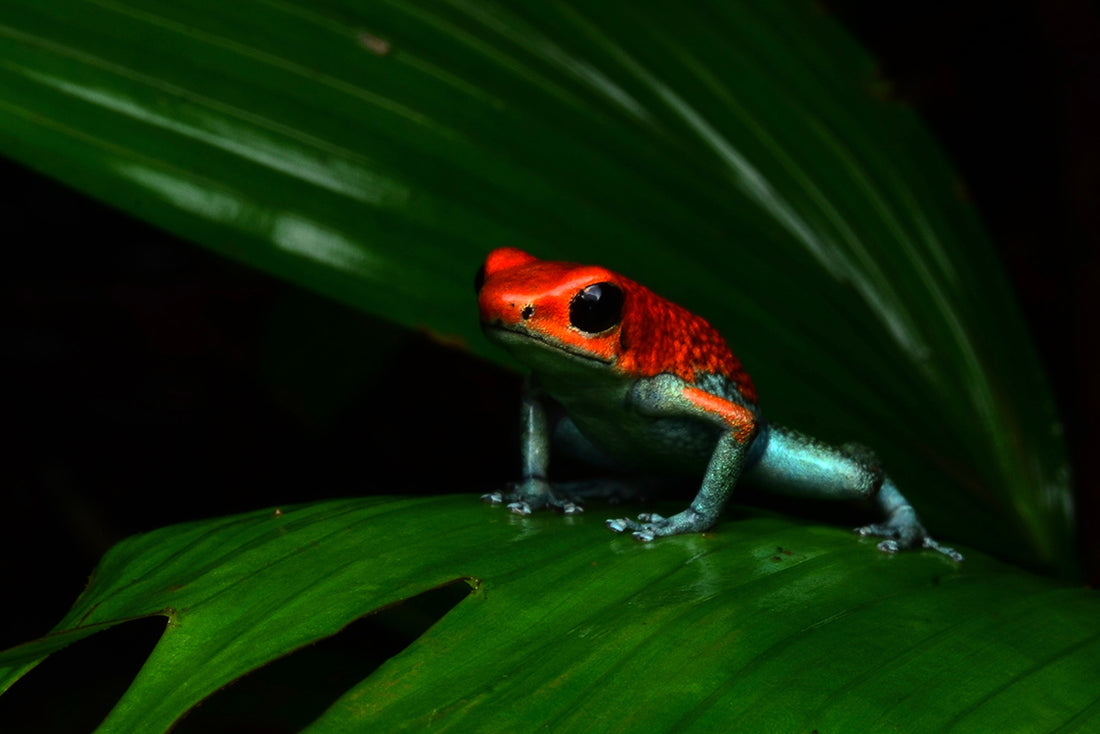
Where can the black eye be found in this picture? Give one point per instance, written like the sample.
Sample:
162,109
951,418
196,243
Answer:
479,279
597,308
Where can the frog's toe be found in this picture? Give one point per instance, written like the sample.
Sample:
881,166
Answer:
898,535
878,529
951,553
651,525
493,498
642,531
571,508
620,524
906,536
889,546
519,508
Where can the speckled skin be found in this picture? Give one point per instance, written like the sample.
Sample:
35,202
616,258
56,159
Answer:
647,386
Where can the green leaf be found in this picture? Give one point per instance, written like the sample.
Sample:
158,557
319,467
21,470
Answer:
769,622
737,157
741,159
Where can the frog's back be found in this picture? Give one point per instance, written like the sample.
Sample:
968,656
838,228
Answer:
658,336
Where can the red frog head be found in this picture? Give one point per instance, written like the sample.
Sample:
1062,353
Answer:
592,314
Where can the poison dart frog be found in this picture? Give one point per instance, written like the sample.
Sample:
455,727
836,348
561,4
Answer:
628,380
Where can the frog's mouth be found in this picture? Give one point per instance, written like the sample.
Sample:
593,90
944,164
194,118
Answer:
512,337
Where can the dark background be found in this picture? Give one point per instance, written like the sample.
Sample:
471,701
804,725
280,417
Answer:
150,382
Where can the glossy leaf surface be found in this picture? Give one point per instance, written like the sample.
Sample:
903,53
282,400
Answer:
737,157
775,624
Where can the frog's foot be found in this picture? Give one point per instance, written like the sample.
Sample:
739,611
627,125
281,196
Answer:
650,525
903,532
530,496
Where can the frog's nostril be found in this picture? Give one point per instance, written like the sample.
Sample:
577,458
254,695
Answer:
527,312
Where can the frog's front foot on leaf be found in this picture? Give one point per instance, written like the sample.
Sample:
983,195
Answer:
903,533
651,525
517,503
532,495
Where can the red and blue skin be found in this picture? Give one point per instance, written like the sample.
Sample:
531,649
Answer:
630,381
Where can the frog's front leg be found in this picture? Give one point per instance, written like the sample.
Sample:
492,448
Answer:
666,396
795,464
533,491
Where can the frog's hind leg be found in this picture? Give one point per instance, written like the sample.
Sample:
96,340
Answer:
902,528
795,464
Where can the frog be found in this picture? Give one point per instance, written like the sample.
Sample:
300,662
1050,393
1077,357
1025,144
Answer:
634,384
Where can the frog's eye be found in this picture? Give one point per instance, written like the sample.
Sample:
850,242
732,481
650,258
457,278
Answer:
479,279
596,308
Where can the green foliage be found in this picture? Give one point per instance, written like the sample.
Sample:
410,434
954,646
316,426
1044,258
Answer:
776,624
737,157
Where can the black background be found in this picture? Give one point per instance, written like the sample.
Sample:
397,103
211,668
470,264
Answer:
140,388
